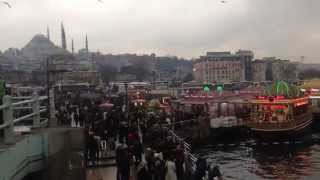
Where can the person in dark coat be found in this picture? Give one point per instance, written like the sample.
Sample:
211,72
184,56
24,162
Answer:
93,148
81,117
143,172
179,163
137,151
200,169
119,154
121,132
123,163
215,173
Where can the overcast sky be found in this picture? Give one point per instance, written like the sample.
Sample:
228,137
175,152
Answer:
186,28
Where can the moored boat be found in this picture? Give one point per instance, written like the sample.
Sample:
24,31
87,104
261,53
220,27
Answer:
283,112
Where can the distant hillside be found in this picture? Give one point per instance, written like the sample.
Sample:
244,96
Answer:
302,66
170,64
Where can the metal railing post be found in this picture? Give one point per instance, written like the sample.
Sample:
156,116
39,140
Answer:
8,118
52,120
36,109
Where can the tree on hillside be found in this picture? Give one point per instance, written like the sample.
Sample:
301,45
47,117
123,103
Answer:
107,72
138,70
309,74
188,77
289,72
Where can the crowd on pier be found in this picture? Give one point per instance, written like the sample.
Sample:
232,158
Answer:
141,146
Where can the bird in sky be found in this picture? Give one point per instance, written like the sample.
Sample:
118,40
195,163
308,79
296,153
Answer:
100,1
6,3
223,1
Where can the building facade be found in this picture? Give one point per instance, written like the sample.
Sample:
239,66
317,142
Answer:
259,70
273,69
246,61
219,67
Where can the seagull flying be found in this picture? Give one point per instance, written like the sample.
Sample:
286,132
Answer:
6,3
100,1
223,1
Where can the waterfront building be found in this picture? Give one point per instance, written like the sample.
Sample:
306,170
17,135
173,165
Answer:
273,69
259,69
219,67
246,57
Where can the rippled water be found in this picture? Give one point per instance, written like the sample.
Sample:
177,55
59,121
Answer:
295,159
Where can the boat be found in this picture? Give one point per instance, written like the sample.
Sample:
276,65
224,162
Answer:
282,112
226,128
312,88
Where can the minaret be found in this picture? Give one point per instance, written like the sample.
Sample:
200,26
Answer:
63,37
87,46
48,33
72,46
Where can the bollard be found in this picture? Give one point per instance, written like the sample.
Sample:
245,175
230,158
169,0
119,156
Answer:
8,118
36,109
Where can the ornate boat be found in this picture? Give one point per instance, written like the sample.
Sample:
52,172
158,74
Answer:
284,111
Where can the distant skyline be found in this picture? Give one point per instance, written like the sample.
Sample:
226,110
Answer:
186,28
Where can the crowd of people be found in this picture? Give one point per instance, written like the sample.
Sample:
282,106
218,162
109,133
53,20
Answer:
141,147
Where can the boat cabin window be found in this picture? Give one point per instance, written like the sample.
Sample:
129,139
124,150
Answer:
271,113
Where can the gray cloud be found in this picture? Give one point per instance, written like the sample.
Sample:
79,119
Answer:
188,28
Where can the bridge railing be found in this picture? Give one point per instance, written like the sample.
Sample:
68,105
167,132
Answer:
10,104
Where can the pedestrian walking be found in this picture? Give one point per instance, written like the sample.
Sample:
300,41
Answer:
137,151
160,167
179,162
143,172
200,169
214,173
93,148
170,170
123,163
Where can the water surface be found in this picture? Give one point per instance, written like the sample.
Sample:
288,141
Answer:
247,159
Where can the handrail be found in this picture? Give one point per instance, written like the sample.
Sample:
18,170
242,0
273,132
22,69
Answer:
27,107
28,115
8,109
4,125
28,101
179,122
3,106
43,98
24,117
23,102
187,148
22,97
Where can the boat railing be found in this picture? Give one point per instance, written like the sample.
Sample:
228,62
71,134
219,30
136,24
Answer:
261,124
184,122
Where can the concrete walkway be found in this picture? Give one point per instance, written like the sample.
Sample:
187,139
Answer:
107,173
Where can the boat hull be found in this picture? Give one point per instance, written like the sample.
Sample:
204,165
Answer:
222,134
288,133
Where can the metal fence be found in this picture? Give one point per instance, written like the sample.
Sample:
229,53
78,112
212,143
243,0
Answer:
12,104
192,159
